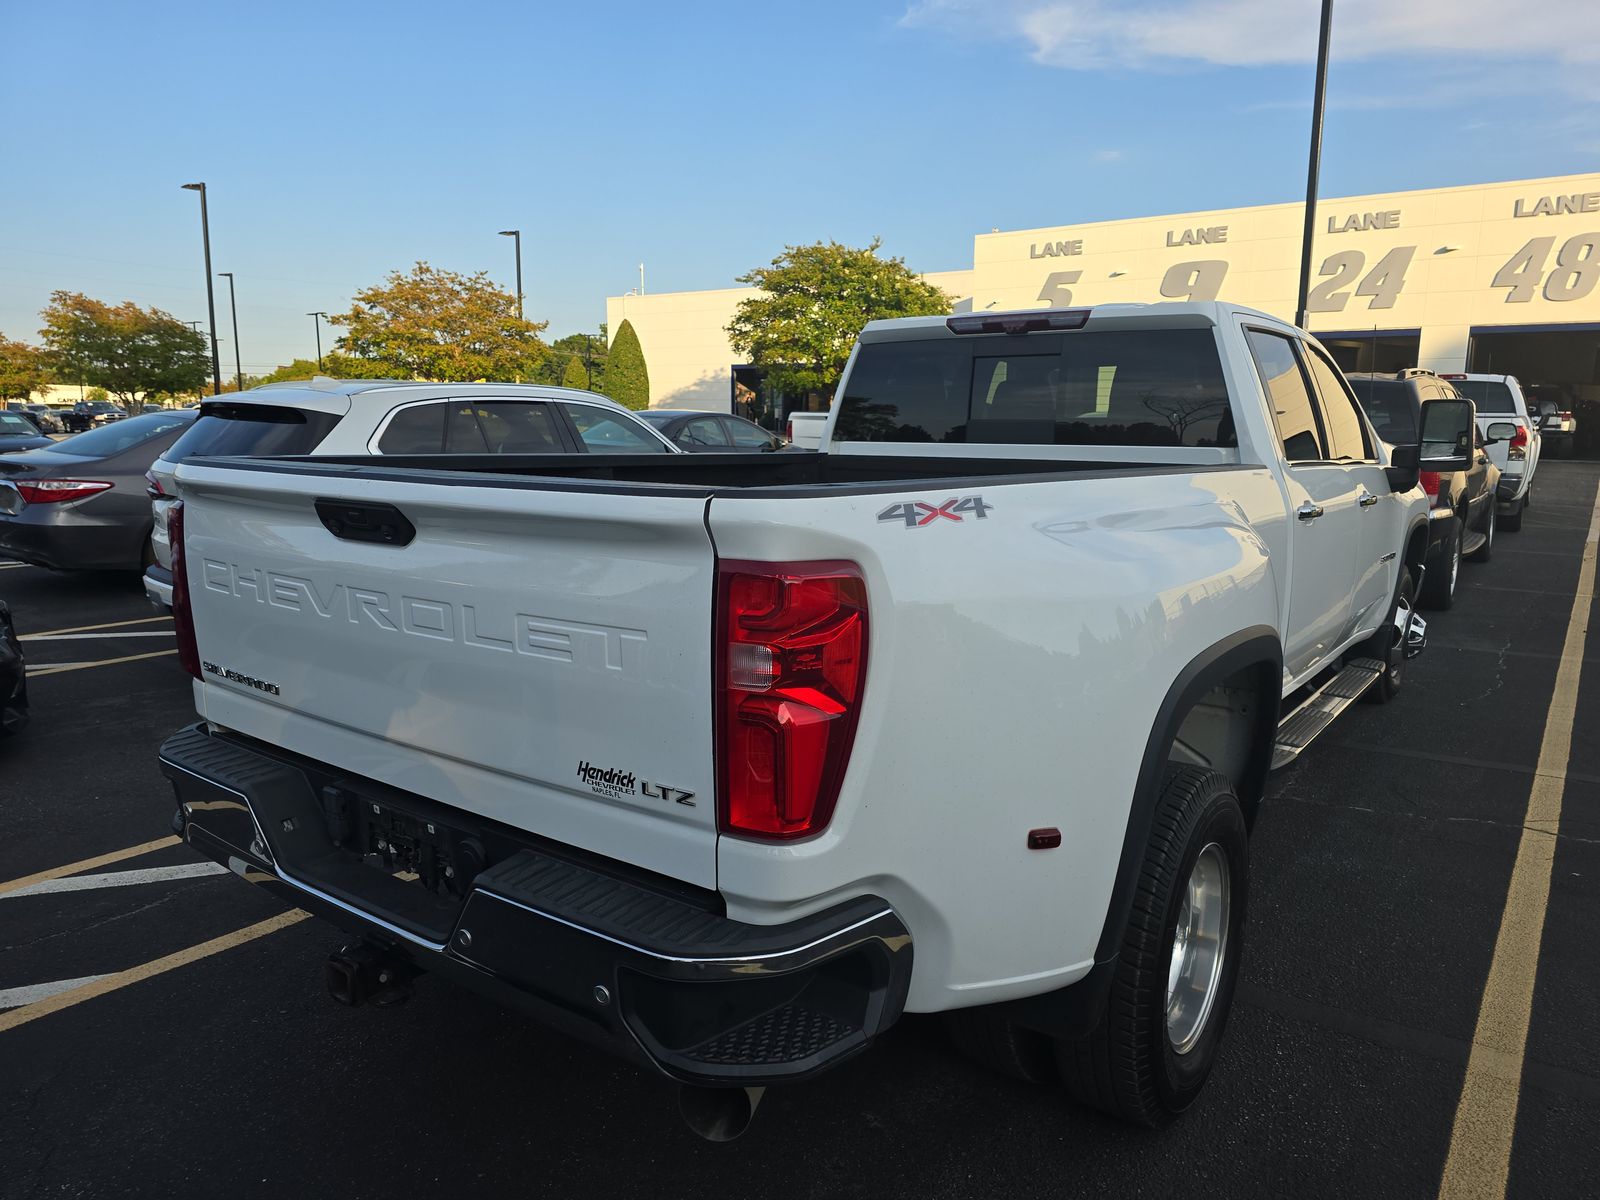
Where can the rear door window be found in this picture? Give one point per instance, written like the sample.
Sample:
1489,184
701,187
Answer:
520,427
702,431
1347,436
462,434
247,430
1290,398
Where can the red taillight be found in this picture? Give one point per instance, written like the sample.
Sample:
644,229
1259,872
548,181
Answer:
1430,484
182,614
59,491
1565,416
791,658
1519,439
788,429
153,488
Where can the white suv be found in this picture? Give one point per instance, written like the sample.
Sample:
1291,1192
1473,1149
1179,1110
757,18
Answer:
384,416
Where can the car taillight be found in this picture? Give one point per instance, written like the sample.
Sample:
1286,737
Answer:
153,488
1517,447
788,429
791,664
1565,416
182,613
1430,484
59,491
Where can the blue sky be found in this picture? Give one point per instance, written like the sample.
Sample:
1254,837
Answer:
344,140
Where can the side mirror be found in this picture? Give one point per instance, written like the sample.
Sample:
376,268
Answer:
1447,428
1403,471
1501,431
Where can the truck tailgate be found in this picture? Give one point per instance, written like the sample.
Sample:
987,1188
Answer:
541,657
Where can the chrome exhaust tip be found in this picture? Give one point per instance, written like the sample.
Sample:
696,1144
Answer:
719,1114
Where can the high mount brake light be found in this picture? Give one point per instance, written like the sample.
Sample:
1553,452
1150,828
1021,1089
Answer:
1019,322
791,650
59,491
182,613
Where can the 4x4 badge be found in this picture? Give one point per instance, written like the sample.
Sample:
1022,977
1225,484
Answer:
919,513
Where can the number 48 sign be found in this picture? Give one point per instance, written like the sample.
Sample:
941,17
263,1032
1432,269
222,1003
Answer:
1576,270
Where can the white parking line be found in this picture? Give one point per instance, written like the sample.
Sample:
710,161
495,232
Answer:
18,996
84,883
84,637
83,864
13,566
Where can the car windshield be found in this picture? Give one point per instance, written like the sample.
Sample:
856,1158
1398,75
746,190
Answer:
12,425
1490,395
252,430
122,435
1391,407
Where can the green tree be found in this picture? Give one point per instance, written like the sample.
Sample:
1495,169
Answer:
814,301
334,366
575,376
23,370
627,377
126,349
440,325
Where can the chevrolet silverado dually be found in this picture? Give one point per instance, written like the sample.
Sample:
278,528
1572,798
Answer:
726,761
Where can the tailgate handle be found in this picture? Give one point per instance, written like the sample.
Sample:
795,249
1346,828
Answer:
383,524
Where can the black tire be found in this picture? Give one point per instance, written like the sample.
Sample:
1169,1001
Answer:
1384,645
1439,584
1002,1045
1127,1065
1512,521
1483,552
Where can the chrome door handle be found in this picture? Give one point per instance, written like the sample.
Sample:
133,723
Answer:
1309,511
1366,499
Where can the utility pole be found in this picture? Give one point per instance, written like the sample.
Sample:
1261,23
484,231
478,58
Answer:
316,320
211,300
641,279
517,234
1314,170
233,305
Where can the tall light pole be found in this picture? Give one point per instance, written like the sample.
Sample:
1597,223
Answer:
211,299
233,305
1315,168
517,234
641,279
316,319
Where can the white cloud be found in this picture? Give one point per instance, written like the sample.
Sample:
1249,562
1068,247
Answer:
1097,34
1108,156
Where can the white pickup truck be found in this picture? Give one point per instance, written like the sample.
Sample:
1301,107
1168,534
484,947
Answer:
726,761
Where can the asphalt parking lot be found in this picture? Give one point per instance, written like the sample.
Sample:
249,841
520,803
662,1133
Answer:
1381,872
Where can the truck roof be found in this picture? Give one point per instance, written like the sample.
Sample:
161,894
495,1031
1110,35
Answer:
1168,312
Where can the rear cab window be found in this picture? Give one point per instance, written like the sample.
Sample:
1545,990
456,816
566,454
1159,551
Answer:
248,430
1093,388
1492,396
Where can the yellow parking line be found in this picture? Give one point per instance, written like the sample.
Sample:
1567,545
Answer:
159,966
107,625
48,669
87,864
1479,1162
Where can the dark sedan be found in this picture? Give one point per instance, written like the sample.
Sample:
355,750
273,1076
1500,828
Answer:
81,504
711,433
13,677
18,432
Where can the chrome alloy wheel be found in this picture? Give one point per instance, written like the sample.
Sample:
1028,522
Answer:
1199,947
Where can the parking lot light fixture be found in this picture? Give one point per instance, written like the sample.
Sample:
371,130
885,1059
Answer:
211,299
517,235
233,306
316,320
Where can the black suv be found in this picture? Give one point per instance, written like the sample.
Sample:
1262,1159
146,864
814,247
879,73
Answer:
1461,523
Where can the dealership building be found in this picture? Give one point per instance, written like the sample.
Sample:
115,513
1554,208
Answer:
1493,277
